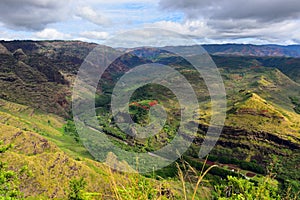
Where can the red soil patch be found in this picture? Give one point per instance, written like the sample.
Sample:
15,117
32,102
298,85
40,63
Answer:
251,175
210,162
231,165
153,103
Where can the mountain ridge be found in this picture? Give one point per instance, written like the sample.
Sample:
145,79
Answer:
36,81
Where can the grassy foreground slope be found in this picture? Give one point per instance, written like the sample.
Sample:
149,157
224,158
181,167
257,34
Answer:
52,159
51,168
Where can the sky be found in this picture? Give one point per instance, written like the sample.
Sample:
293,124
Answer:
205,21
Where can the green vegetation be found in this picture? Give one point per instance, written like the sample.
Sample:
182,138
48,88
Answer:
262,127
76,189
239,188
296,102
70,129
9,180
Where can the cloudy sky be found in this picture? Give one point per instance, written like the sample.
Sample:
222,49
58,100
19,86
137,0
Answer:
206,21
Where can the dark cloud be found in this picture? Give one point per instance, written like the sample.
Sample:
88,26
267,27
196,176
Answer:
260,10
32,14
263,20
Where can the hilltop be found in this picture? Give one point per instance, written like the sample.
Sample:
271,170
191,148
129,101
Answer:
262,124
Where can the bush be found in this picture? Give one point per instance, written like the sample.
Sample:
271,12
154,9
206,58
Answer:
239,188
76,189
9,181
70,129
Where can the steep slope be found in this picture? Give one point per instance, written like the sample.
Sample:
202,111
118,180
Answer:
52,159
39,74
289,66
256,114
262,121
50,168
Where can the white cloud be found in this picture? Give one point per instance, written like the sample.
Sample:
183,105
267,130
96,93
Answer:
91,15
219,21
286,32
51,34
95,35
4,35
191,27
259,21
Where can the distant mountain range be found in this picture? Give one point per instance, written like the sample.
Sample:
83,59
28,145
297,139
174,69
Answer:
253,50
262,125
271,50
39,73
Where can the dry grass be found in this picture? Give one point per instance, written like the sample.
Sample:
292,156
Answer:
192,177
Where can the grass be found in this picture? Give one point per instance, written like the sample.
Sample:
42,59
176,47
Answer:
55,158
48,125
191,179
258,101
257,114
52,170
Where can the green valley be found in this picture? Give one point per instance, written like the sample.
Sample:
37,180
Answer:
256,157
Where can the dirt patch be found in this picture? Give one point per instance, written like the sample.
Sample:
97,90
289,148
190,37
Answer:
250,174
210,162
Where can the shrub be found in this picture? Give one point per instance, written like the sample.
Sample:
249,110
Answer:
76,189
9,180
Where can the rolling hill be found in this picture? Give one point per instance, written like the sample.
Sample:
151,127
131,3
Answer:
262,124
